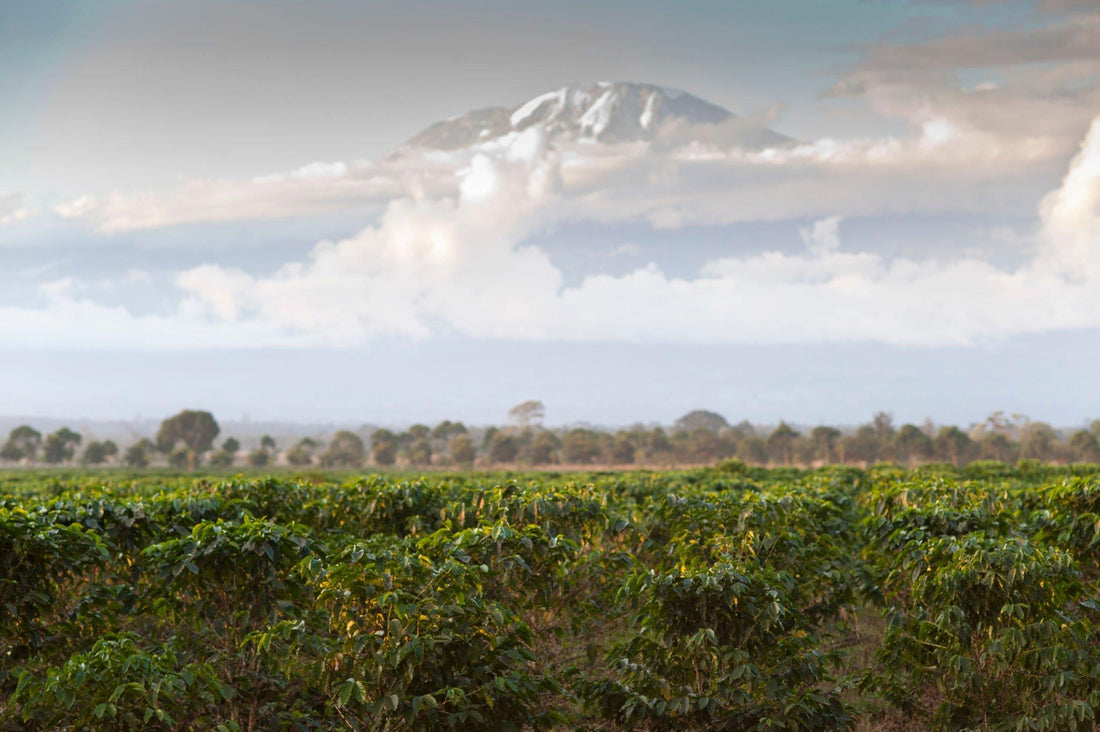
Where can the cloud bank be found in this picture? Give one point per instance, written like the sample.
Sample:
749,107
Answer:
458,266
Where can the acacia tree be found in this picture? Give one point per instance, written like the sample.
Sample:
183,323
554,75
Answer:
528,413
195,429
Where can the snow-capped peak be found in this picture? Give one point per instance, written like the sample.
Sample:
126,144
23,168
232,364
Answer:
603,112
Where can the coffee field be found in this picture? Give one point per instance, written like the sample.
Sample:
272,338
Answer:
727,598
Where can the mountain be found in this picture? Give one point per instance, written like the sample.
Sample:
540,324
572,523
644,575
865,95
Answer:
604,112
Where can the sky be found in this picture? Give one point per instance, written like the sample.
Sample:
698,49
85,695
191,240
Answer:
210,204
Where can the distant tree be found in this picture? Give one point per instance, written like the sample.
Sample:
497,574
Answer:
780,442
824,439
462,450
953,445
384,447
862,446
700,419
420,452
503,448
195,429
580,446
60,446
418,432
182,457
447,429
910,444
384,454
541,449
302,453
221,458
23,442
97,453
527,413
620,450
700,445
998,446
656,445
267,442
1038,441
883,424
138,454
752,449
224,457
258,458
1084,446
345,450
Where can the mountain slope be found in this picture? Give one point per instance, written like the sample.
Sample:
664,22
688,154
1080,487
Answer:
604,112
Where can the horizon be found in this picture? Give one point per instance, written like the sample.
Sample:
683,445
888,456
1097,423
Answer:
780,212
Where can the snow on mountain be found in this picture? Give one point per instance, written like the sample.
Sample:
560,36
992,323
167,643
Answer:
604,112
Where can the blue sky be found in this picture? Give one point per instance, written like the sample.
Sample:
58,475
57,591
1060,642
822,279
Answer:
211,184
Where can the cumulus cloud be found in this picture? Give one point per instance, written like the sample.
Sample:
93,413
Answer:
459,266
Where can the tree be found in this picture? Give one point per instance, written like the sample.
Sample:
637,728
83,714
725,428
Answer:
998,446
231,445
883,425
60,446
541,449
267,442
137,455
302,453
953,444
345,450
420,452
862,446
700,419
825,439
447,429
527,413
462,450
195,429
384,447
780,442
503,448
910,444
97,453
620,450
221,458
1085,446
258,458
23,442
580,446
1038,441
419,432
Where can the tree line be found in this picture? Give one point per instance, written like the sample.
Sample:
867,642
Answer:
188,440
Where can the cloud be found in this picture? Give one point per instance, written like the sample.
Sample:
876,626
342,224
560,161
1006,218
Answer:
459,266
1039,87
312,189
12,209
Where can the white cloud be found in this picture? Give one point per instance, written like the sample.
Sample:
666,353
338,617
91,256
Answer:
12,209
459,266
448,257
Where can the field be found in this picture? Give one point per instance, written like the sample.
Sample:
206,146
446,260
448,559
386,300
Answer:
727,598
